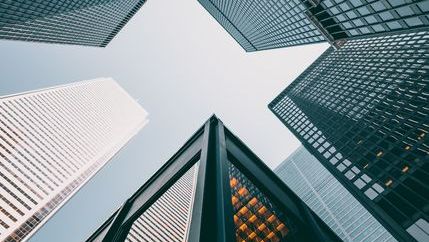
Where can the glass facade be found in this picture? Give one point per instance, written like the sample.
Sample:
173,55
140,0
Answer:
272,24
78,22
304,174
261,25
52,142
345,19
168,218
363,112
256,218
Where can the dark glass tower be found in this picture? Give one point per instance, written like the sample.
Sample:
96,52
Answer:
341,19
363,111
214,189
78,22
261,25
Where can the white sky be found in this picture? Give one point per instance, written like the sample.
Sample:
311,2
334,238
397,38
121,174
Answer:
183,67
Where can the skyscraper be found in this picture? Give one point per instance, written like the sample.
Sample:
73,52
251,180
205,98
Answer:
52,141
77,22
363,112
304,174
339,20
257,25
261,25
214,189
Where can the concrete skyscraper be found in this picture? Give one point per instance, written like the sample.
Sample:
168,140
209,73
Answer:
363,112
304,174
77,22
262,25
52,141
214,189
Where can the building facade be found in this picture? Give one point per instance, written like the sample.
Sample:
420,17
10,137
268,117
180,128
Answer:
342,20
304,174
152,226
77,22
362,111
52,141
257,25
214,189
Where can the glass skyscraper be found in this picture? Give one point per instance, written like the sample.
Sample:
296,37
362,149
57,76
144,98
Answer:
52,141
304,174
341,19
77,22
214,189
362,111
261,25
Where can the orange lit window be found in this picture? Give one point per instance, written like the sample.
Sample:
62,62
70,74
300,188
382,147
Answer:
253,201
255,217
233,182
262,210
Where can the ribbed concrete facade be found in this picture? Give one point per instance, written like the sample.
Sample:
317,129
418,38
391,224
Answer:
52,141
168,218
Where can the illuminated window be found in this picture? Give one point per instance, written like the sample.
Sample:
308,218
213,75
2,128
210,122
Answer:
255,217
380,153
388,183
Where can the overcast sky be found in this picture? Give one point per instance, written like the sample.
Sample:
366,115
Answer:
182,66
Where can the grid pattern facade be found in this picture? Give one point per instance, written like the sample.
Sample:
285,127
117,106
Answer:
304,174
52,141
256,218
363,112
261,25
87,22
345,19
168,218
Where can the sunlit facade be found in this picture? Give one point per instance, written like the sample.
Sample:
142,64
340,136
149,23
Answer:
52,141
330,200
214,189
362,111
77,22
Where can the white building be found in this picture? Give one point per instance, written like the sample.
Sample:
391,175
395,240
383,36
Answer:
52,141
169,217
330,200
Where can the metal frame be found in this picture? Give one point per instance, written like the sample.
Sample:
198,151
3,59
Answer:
212,216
